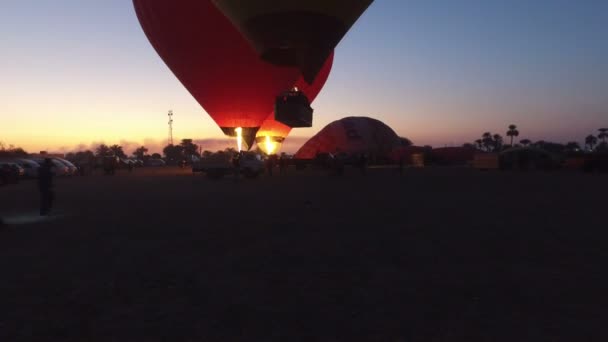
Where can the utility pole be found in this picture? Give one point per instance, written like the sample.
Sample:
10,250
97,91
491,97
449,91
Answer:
170,114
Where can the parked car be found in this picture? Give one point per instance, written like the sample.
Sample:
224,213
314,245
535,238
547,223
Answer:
72,169
218,165
135,162
58,169
125,162
7,175
155,162
11,172
29,166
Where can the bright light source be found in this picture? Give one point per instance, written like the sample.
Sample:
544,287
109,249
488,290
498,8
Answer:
239,138
270,146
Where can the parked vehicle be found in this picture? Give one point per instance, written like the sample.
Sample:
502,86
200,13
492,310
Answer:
72,169
218,165
136,162
30,167
59,168
7,175
11,172
155,162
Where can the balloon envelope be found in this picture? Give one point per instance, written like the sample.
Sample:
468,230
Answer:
214,62
294,33
271,135
351,136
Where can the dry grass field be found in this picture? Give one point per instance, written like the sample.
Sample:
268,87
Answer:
438,254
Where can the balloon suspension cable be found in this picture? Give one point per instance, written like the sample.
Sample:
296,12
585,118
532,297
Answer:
239,138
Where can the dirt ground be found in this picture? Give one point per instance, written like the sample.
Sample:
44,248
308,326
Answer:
438,254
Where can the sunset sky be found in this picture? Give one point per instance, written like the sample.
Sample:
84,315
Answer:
78,72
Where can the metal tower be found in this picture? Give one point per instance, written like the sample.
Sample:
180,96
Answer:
170,114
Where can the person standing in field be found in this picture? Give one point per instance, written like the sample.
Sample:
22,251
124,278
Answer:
236,164
282,164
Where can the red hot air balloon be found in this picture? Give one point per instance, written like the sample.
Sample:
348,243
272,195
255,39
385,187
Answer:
294,33
214,62
352,136
271,135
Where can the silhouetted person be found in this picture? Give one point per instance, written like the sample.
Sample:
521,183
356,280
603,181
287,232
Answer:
269,165
80,168
45,185
130,167
282,165
337,166
236,163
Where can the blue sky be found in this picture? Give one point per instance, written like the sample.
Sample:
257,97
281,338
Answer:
439,72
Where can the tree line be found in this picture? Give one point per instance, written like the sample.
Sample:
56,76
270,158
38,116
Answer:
187,149
495,143
11,151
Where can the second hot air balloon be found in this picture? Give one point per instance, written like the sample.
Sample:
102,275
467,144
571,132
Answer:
294,33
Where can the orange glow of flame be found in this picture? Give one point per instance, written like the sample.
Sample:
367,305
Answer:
270,146
239,138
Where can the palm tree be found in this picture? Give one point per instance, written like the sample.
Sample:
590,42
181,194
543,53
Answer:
603,134
497,142
190,148
140,152
590,141
102,150
117,149
487,140
479,143
173,153
525,142
512,132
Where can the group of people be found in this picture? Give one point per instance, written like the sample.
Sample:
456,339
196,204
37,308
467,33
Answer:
273,160
336,164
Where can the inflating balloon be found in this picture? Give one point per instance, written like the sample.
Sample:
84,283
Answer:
352,136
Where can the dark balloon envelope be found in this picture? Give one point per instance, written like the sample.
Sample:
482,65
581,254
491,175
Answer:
213,60
351,136
294,33
271,135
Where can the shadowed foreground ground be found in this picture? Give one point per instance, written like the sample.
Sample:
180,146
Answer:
436,255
